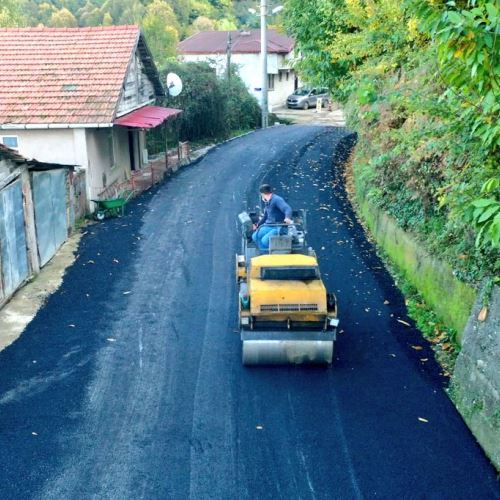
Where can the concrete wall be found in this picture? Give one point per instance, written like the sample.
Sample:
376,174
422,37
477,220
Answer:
52,146
449,297
475,385
249,70
121,149
108,158
102,152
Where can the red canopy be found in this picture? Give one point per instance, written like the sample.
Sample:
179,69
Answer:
147,117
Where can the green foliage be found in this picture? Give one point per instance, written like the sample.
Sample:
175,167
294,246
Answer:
161,30
11,14
314,25
164,22
466,45
485,214
63,18
246,19
420,81
212,107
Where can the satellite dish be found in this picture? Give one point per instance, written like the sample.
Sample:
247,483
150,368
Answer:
174,84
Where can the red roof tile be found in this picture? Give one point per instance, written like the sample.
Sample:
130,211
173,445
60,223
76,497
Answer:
243,42
63,75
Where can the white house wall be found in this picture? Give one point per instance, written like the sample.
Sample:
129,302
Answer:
52,146
108,158
249,69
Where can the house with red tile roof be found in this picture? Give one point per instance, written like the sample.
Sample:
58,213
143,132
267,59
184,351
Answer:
80,96
212,47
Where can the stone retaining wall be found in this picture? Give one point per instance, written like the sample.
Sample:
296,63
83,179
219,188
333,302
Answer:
475,385
434,279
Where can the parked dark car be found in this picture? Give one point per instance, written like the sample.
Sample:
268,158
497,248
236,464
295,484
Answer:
305,97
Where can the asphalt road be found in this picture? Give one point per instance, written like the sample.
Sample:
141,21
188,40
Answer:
128,384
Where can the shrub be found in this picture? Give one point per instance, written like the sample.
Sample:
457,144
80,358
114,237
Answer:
212,107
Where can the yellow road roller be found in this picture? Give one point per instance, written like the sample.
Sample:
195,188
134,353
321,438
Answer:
286,315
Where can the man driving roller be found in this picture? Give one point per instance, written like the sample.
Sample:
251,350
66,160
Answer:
276,211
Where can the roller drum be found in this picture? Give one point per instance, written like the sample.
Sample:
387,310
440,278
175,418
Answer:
278,348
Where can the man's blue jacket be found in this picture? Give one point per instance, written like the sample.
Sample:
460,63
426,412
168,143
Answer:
276,210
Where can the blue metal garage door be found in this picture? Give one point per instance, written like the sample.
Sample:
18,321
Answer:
49,199
13,250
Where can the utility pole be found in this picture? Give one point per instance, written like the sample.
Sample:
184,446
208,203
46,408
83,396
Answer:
228,56
263,56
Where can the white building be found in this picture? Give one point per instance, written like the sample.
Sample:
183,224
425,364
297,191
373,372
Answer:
80,96
244,48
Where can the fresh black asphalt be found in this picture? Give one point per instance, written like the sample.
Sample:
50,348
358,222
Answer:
128,383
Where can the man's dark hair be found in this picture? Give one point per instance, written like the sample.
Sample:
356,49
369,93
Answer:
266,189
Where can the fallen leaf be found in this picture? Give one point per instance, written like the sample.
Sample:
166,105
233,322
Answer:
110,339
386,302
483,314
424,359
423,420
34,433
417,347
126,293
259,427
116,260
72,326
403,322
393,355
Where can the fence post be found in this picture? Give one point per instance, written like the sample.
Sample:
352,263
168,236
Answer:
29,218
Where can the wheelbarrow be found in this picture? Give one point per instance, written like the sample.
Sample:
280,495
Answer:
112,207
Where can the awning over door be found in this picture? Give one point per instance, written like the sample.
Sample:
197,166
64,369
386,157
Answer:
147,117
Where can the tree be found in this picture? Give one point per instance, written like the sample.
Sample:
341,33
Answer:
314,25
107,20
226,24
10,14
202,8
63,18
90,14
202,23
161,27
182,10
212,108
124,11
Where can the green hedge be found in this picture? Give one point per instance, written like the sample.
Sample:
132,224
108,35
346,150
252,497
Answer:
213,107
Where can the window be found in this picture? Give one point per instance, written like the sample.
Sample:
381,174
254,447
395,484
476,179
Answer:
110,139
10,141
270,82
280,76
